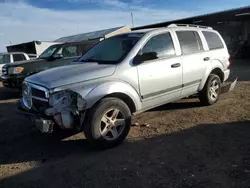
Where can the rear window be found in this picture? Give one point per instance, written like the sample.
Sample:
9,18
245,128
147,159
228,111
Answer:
18,57
213,40
190,42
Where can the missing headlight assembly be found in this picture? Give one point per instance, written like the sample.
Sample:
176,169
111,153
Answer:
67,108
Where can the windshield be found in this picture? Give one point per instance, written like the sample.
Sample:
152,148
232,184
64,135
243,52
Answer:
111,50
4,58
49,52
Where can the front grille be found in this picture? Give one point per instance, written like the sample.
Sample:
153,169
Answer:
38,93
35,97
39,105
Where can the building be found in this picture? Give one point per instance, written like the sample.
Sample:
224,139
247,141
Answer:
32,48
234,25
35,48
95,35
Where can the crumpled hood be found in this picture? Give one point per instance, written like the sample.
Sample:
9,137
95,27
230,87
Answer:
71,74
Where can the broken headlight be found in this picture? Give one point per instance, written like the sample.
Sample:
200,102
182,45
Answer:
55,98
67,98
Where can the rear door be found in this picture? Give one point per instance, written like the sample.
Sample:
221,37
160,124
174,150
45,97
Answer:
194,60
217,47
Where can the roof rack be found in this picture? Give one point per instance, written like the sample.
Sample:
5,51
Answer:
189,25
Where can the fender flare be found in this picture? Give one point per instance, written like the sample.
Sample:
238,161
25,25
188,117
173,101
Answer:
95,92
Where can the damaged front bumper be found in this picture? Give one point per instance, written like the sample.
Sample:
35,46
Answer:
66,111
43,124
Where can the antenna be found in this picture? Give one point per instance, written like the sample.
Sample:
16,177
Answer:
132,18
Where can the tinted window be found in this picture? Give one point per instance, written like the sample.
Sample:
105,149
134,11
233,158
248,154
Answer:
69,51
161,44
111,50
49,51
190,42
213,40
18,57
83,48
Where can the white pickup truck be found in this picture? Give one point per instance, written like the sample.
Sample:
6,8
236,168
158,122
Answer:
12,57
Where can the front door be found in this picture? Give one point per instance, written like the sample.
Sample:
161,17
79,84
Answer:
160,80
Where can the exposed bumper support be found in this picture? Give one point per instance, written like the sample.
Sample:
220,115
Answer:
43,124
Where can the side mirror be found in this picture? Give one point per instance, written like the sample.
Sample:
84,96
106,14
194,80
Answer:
58,56
137,60
145,57
149,56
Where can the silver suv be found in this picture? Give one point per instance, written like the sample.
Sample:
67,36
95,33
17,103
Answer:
128,74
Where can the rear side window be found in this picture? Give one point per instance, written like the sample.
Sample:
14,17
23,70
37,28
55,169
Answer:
18,57
213,40
190,42
161,44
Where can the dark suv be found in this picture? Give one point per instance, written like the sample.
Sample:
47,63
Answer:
57,55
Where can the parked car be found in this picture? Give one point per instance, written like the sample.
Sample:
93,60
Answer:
128,74
6,58
56,55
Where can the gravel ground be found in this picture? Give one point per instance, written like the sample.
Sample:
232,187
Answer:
181,144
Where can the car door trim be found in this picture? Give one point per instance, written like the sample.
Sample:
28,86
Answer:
161,92
191,83
170,89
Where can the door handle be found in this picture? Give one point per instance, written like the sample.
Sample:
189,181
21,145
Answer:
175,65
206,59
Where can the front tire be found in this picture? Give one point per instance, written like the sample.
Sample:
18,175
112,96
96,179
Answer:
108,123
211,91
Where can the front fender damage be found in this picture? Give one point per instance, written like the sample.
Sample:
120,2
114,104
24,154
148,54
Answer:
68,110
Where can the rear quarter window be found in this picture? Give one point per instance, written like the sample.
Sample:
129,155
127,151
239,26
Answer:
213,40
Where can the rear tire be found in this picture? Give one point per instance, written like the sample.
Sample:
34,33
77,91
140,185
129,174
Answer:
211,91
108,123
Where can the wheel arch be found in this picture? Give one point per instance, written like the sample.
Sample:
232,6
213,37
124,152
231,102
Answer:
120,90
125,98
216,67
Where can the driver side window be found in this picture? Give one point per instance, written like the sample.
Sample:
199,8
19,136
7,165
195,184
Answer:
161,44
69,51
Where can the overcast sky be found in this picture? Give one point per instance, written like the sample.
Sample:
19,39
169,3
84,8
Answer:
46,20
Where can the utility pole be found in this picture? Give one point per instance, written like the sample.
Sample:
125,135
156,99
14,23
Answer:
132,18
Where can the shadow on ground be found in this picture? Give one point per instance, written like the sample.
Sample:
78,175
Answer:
207,155
182,104
7,93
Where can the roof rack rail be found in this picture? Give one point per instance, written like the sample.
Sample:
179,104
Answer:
189,25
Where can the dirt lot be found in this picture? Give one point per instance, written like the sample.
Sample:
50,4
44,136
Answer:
185,145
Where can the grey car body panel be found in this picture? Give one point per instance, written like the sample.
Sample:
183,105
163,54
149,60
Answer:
149,84
70,74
